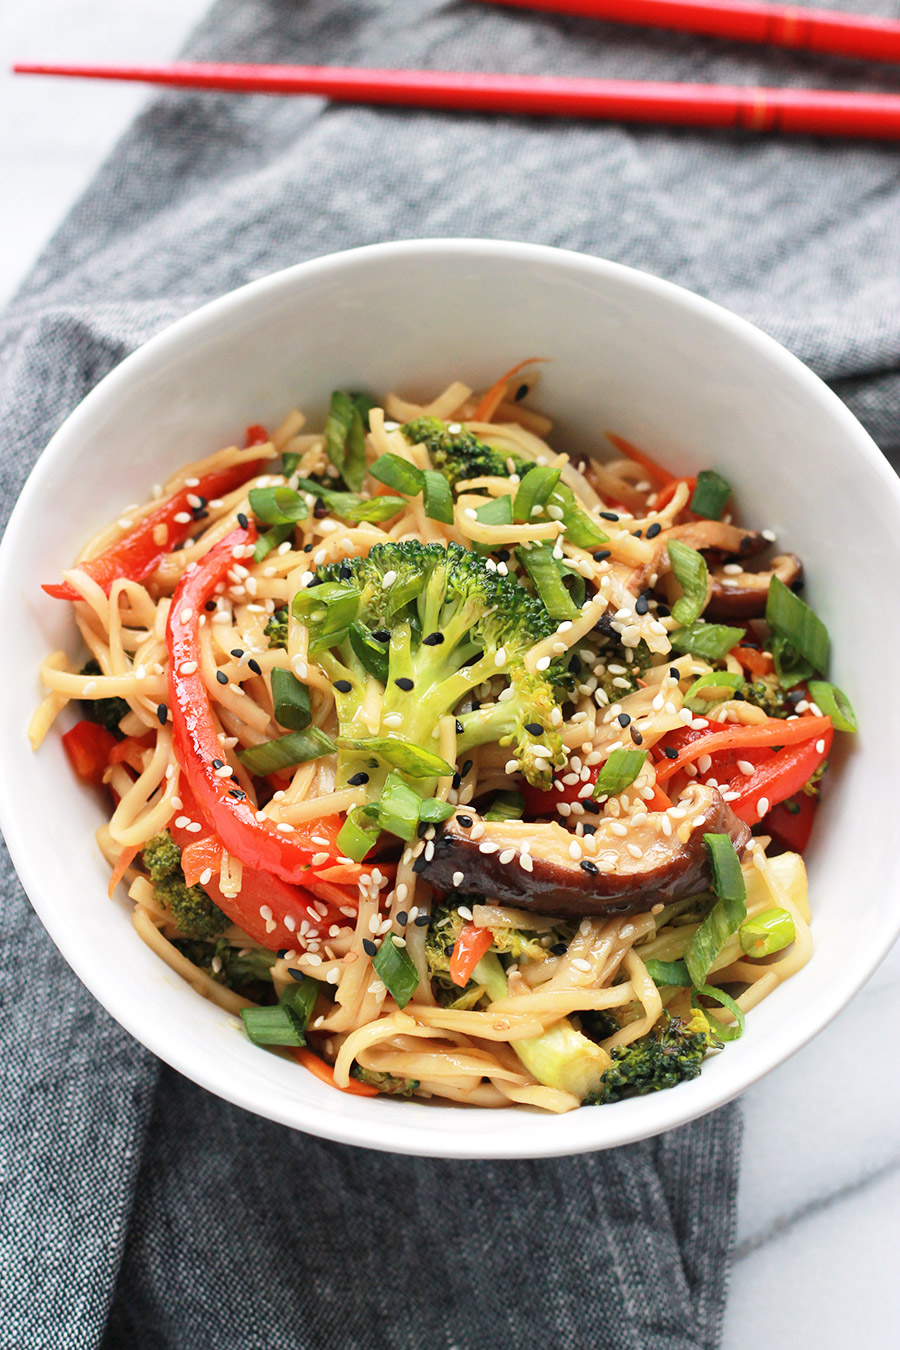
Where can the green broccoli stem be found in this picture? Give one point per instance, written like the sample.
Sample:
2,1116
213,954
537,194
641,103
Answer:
562,1057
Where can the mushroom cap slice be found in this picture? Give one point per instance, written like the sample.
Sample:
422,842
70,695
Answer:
609,880
743,595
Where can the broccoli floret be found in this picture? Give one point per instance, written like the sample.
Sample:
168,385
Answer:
429,624
443,930
385,1082
635,661
459,455
767,693
813,785
247,971
671,1053
108,712
194,914
277,627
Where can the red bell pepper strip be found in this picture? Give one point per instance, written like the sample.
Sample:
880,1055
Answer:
89,746
471,945
319,1069
790,822
259,890
256,435
780,777
258,843
665,495
138,553
774,731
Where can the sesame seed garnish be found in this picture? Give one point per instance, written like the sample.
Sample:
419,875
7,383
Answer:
343,686
762,807
388,580
579,963
162,714
221,677
369,947
405,684
488,847
187,668
432,640
653,530
393,720
587,866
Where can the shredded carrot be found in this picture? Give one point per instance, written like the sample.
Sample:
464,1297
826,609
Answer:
319,1069
124,861
774,731
655,470
757,663
659,801
490,402
665,494
196,858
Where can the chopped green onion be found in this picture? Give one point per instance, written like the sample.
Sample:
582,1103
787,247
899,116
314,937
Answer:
498,511
726,915
710,495
400,754
351,507
506,806
669,973
345,436
790,667
271,539
355,458
691,574
399,474
546,574
574,583
765,933
716,679
394,967
533,491
580,528
438,497
277,505
289,464
433,810
291,700
273,1026
711,641
372,654
719,1029
357,836
619,772
833,704
792,618
329,609
297,748
398,808
301,997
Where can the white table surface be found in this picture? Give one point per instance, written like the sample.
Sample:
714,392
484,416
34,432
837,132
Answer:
820,1184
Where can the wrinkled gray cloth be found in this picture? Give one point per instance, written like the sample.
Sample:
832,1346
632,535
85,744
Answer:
135,1210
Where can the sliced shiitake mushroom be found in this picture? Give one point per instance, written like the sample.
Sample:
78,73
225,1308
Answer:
742,595
488,857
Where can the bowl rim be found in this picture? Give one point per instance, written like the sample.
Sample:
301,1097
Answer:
573,1133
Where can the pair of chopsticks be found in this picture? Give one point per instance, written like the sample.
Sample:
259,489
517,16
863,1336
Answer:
798,111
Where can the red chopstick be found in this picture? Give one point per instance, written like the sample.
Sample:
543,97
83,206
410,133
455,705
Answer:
815,30
816,112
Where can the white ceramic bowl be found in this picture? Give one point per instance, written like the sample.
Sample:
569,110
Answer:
676,374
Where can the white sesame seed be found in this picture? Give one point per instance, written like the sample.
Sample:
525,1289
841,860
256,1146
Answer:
429,850
616,827
500,657
820,747
635,851
284,827
768,535
458,878
579,963
762,807
487,847
507,855
187,668
393,719
745,767
543,663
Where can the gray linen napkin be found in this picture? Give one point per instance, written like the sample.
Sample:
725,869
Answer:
136,1210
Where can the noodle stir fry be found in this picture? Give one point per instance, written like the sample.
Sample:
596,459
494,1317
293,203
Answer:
454,768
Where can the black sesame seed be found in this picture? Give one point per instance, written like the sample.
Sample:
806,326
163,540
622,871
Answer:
345,571
504,554
670,752
402,918
369,947
476,705
308,548
320,509
637,534
520,393
589,829
221,677
200,514
218,764
591,807
796,696
405,684
466,768
237,794
636,735
623,719
242,520
559,949
358,779
381,636
602,554
296,974
459,727
641,605
343,686
675,672
283,953
237,651
739,697
420,864
162,714
587,866
465,821
422,919
653,530
575,664
534,728
313,581
433,640
663,611
255,666
210,606
608,515
456,782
